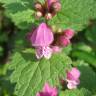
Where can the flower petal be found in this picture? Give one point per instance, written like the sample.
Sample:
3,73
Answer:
42,36
39,52
72,85
47,52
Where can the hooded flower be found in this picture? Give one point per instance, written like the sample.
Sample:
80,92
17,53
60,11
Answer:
42,36
73,78
48,91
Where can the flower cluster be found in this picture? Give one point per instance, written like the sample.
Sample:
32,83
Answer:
65,38
42,39
73,78
46,42
48,9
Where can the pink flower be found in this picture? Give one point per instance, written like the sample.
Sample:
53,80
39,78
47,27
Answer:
56,49
42,36
72,84
50,2
73,78
56,6
69,33
64,41
48,91
43,52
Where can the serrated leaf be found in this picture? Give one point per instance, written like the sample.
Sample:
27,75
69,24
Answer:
31,74
23,15
88,78
75,14
76,92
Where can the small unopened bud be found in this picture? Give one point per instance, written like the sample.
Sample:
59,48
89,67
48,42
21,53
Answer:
38,6
56,6
64,41
69,33
38,14
48,16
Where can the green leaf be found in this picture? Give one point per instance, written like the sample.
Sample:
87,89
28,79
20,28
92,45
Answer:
91,33
23,15
88,57
30,74
75,14
1,51
88,78
82,46
76,92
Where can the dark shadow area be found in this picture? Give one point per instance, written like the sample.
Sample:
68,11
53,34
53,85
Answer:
6,87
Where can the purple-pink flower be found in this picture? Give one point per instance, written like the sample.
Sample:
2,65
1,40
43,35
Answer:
66,37
48,91
42,36
73,78
50,2
43,52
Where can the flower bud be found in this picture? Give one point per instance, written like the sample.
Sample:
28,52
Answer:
69,33
38,14
56,6
64,41
50,2
38,7
48,16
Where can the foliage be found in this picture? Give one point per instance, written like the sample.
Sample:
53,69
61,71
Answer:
28,70
27,74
